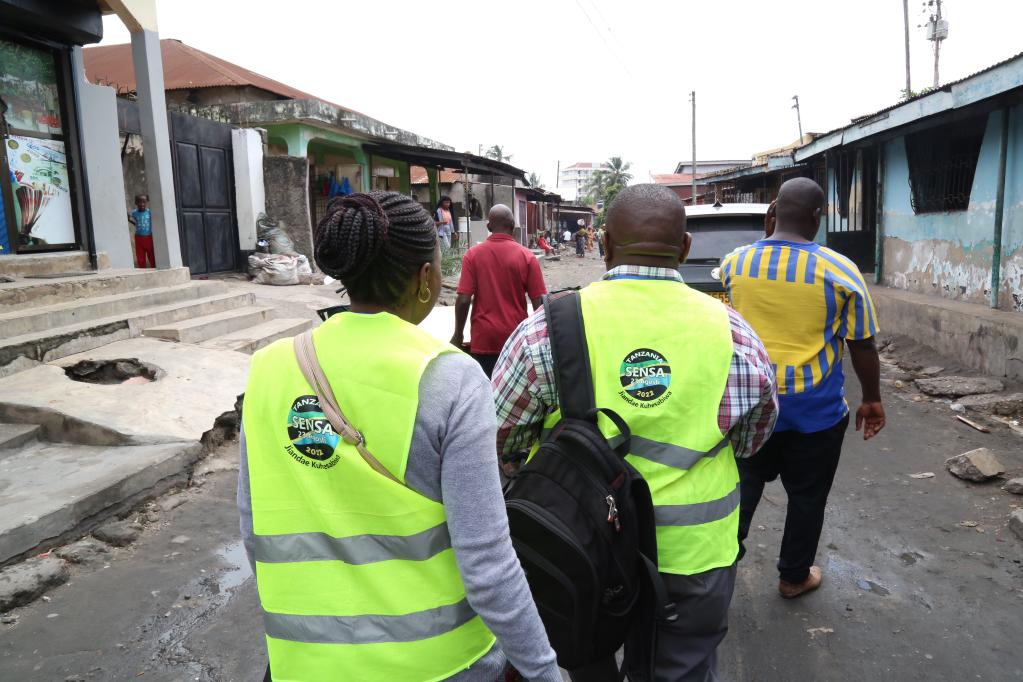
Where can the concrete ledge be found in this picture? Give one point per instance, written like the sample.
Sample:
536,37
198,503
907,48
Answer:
50,263
980,338
39,292
53,492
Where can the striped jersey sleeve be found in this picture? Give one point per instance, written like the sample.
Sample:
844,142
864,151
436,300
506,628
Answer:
857,315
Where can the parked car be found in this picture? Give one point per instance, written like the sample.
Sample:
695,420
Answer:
718,230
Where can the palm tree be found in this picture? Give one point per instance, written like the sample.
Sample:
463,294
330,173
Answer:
534,180
618,171
496,152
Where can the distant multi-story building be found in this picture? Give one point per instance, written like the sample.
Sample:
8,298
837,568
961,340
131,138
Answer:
573,180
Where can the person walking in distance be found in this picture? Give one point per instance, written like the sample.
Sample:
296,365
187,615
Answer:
497,277
807,303
695,386
142,219
445,223
381,554
580,239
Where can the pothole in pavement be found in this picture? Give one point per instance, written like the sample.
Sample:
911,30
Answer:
117,371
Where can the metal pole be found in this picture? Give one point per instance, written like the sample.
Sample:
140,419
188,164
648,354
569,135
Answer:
799,119
557,176
693,96
937,42
905,18
996,260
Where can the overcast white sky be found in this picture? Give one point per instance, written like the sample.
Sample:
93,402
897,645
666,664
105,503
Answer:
581,80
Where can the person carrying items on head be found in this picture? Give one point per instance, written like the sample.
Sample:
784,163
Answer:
580,238
692,382
370,504
804,300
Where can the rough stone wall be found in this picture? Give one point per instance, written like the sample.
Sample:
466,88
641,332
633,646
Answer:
133,166
286,179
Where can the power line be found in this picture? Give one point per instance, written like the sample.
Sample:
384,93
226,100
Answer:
600,35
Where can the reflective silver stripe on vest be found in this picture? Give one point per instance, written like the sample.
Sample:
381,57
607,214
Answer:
697,514
368,629
667,454
357,549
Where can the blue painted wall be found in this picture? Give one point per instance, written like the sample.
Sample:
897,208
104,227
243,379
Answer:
950,254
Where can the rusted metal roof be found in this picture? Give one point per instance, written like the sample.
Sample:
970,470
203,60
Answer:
419,176
184,68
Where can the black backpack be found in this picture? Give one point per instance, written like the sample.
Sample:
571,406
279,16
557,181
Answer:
582,522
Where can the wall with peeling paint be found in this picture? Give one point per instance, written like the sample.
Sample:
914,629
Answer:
950,254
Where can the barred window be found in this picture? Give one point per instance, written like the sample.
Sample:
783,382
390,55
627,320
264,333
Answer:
942,163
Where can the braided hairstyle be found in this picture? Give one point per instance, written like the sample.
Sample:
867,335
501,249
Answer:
374,243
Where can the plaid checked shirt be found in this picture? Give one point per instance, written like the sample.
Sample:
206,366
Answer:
525,390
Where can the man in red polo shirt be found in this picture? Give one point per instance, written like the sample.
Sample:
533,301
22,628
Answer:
497,276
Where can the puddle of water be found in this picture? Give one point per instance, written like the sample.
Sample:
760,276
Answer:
872,587
239,570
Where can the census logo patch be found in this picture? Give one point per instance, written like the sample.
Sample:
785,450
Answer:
645,376
313,440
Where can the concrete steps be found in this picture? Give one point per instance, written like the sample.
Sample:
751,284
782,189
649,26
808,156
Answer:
24,293
205,327
42,318
49,263
20,352
15,435
251,339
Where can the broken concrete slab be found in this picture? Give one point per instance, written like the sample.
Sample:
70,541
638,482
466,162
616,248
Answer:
976,465
955,386
199,385
1015,486
1004,404
171,502
83,551
1016,523
117,533
24,582
54,491
931,371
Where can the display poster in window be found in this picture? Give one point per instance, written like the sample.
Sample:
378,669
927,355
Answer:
42,199
28,88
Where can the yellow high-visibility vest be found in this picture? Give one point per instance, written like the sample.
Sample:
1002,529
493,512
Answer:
355,572
660,354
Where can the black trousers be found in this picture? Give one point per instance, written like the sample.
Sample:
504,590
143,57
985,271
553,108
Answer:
806,463
686,648
487,362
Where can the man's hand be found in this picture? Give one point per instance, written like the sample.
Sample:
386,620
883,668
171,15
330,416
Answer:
870,416
457,341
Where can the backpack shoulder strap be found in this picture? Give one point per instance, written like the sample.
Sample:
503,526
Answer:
567,336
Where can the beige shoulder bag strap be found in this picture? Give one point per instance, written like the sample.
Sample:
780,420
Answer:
305,351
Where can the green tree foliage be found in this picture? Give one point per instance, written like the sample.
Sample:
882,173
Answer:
534,180
606,183
496,152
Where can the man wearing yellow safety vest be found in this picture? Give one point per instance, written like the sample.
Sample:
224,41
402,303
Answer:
695,386
383,556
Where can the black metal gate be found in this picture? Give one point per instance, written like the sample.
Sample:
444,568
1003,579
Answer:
204,187
852,230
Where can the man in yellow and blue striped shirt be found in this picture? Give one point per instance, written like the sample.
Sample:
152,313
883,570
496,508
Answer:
806,302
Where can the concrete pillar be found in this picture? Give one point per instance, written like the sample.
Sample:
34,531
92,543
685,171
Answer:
101,156
249,190
145,51
362,159
432,175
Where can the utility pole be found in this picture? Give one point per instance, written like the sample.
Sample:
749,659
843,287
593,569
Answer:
692,96
557,176
937,31
905,18
799,119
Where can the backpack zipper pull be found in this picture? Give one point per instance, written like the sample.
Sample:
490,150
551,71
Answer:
612,512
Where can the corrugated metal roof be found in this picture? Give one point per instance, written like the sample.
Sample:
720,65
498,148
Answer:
184,68
419,176
864,120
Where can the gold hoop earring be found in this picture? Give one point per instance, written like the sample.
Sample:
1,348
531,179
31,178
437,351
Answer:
425,299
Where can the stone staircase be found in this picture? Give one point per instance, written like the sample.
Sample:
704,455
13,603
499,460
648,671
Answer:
45,319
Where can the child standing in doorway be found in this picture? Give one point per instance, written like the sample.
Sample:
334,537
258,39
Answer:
142,219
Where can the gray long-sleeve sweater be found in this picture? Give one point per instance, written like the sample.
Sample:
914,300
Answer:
453,459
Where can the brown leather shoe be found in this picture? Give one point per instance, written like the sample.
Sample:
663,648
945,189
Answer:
793,590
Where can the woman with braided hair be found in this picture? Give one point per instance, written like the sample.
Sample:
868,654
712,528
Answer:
381,553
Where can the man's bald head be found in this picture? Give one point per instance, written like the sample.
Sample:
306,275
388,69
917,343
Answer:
646,225
799,207
500,219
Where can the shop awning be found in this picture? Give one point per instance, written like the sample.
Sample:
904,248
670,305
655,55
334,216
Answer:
441,158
